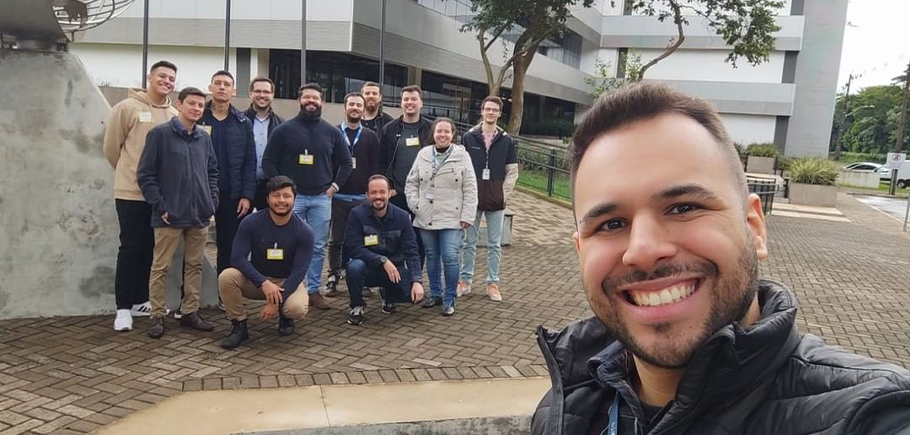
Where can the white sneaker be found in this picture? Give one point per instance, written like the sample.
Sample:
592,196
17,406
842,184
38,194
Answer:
143,310
123,321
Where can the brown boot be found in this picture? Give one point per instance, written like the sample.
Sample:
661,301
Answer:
317,301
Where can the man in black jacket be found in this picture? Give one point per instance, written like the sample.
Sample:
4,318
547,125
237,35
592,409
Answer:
381,246
264,120
399,143
232,138
687,339
313,153
178,175
373,116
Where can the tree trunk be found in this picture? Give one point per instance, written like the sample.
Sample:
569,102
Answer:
519,70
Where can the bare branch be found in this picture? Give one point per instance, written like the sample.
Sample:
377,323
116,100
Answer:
677,17
496,35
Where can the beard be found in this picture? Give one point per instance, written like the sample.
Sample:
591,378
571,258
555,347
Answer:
312,114
353,120
380,208
371,105
281,214
732,295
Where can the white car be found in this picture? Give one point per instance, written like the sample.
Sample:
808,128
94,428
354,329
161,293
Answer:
883,172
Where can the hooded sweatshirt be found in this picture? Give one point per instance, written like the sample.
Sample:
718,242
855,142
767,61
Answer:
124,138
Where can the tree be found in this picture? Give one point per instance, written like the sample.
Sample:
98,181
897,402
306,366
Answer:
871,124
536,20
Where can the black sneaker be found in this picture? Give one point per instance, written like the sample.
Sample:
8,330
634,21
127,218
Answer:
239,334
331,284
432,301
356,317
156,330
285,326
387,307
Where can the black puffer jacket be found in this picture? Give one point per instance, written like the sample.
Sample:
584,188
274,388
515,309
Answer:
766,379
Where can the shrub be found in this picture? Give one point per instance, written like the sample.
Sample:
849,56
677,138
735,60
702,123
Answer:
762,150
851,157
813,171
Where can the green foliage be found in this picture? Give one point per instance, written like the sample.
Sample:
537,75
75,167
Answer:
851,157
762,150
872,120
813,171
783,163
536,159
549,127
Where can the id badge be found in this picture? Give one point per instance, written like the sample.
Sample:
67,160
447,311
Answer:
274,254
371,240
207,129
354,162
486,174
305,159
412,141
145,117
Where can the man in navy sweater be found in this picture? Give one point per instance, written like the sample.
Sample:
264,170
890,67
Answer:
270,257
311,152
382,247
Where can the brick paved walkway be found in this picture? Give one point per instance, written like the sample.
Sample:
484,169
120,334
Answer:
73,375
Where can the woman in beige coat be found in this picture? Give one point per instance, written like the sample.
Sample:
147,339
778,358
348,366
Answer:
442,191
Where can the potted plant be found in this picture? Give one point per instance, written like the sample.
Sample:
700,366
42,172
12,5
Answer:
762,158
812,182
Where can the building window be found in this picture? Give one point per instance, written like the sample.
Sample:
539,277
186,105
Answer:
337,73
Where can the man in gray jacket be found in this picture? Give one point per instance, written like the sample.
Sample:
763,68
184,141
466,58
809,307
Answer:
178,175
687,339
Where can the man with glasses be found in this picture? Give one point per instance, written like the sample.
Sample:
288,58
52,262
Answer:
262,91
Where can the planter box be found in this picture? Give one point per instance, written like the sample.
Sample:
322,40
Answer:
865,179
760,165
811,194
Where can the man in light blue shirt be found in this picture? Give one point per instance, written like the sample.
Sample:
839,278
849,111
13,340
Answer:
262,91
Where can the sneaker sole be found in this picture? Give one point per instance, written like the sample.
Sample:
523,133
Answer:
350,322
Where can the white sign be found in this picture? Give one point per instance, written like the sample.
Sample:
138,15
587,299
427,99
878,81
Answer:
895,160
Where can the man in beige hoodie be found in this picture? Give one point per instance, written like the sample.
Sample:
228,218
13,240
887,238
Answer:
124,139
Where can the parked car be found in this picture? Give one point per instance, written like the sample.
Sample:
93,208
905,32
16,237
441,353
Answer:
883,172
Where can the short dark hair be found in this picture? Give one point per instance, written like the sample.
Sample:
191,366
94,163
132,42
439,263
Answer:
496,100
380,177
280,182
222,72
643,101
371,84
353,95
412,88
163,63
438,121
258,79
311,86
187,91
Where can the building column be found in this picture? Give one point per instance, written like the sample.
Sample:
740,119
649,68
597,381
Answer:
414,75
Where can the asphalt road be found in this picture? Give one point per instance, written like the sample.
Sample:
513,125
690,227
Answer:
894,207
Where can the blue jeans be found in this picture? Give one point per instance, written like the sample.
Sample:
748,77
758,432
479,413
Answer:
316,210
442,245
494,246
360,275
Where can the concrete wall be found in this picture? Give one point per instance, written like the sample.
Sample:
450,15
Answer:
859,179
59,232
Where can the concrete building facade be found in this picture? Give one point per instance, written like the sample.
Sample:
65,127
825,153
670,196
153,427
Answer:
788,100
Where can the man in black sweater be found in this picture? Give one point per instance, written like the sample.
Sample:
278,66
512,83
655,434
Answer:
382,247
399,142
364,147
271,254
313,153
373,116
178,175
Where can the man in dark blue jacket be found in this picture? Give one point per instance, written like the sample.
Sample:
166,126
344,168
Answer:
381,246
313,153
178,175
271,254
232,137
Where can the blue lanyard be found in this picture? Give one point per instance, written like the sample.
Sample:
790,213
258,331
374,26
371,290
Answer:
344,134
613,427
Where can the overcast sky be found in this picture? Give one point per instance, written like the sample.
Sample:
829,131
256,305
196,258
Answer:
876,42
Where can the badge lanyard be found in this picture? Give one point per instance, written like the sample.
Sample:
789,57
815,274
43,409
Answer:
613,427
356,137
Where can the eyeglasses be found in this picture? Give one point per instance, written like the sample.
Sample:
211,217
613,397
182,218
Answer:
491,109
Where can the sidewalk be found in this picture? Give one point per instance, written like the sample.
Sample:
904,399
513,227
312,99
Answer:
75,375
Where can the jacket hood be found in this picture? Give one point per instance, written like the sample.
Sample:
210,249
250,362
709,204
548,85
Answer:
140,95
726,364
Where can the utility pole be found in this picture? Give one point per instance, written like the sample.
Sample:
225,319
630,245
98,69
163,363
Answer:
302,43
899,143
838,143
227,36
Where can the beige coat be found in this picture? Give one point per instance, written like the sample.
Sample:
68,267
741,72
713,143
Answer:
124,138
454,190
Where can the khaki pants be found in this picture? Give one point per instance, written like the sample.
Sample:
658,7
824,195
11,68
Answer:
234,286
166,241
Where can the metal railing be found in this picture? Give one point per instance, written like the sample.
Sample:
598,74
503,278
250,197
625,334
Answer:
549,162
765,189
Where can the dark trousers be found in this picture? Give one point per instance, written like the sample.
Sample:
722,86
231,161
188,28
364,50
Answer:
360,275
260,198
340,212
402,202
226,223
134,259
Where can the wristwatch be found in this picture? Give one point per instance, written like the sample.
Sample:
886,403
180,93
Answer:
383,259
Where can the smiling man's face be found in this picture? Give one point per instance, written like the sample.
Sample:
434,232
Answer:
668,245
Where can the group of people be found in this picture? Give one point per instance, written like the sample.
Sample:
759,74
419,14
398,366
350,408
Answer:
384,195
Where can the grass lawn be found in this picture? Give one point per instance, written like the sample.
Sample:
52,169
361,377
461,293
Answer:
538,181
882,188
